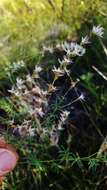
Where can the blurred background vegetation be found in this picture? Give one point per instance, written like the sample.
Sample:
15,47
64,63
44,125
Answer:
25,24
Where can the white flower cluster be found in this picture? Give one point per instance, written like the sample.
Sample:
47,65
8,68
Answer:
15,66
28,93
48,49
25,129
34,98
63,118
36,72
98,31
54,136
18,65
58,71
55,132
73,49
85,40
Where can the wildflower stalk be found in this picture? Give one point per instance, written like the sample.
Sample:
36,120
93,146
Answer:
79,98
85,106
103,147
39,127
99,72
55,78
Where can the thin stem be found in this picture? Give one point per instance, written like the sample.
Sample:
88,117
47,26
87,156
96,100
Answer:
38,124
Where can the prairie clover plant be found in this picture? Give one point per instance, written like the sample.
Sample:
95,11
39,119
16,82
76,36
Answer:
28,92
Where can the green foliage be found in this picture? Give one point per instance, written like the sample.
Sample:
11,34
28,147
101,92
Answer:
6,105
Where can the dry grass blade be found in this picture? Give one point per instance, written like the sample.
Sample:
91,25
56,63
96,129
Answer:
99,72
